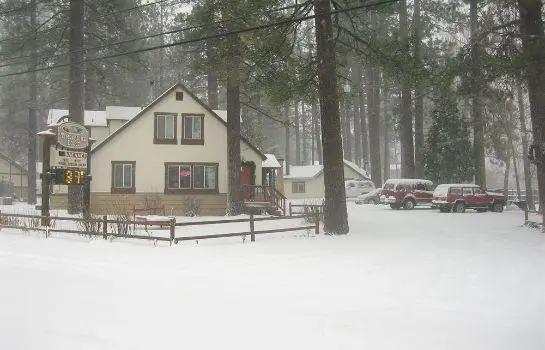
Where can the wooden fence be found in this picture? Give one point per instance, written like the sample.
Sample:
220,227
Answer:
99,226
308,209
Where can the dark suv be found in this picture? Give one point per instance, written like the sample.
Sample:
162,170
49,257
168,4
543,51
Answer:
459,197
407,193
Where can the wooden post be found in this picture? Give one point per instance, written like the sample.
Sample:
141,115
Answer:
526,214
105,226
45,182
542,220
172,230
290,210
317,223
252,228
284,205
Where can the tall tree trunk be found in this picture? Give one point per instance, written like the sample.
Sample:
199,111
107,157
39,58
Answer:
373,106
386,135
419,97
347,133
297,135
476,105
506,177
364,129
234,66
317,134
356,88
287,153
304,148
524,140
515,166
76,94
335,214
32,115
212,78
533,43
406,120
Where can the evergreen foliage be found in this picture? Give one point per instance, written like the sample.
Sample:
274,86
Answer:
448,152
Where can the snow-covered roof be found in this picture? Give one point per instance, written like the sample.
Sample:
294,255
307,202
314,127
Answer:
357,169
122,112
407,181
223,114
270,162
97,118
303,171
91,118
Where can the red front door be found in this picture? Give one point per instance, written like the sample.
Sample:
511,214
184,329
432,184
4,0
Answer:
246,178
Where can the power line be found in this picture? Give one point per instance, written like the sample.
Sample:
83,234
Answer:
29,33
205,38
174,31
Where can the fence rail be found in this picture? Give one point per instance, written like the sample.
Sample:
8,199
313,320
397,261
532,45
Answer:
307,209
99,226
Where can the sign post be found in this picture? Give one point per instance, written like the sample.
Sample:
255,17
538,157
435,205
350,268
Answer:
65,162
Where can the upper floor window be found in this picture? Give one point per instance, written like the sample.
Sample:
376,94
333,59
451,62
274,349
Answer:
165,128
193,129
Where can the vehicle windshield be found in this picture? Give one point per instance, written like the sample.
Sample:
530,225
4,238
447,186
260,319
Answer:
441,191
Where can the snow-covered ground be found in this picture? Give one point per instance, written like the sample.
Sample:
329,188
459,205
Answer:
399,280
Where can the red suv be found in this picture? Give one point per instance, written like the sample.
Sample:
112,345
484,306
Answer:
458,197
407,193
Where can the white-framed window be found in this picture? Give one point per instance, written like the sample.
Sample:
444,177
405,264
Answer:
298,187
123,176
165,128
205,176
179,176
193,129
196,177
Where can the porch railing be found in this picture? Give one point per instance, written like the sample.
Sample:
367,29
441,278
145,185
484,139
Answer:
269,194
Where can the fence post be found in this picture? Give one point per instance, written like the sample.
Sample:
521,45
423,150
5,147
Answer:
290,209
526,215
252,227
105,226
1,219
317,223
172,230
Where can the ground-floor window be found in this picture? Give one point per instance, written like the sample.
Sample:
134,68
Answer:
298,187
191,177
123,176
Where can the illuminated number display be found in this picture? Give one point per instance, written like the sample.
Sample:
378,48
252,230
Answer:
70,177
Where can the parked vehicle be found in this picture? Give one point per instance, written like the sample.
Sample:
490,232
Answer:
459,197
372,197
354,188
407,193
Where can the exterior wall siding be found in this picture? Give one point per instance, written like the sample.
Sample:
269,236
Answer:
177,205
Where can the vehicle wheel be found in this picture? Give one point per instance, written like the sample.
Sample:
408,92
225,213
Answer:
497,207
459,207
394,206
408,204
444,209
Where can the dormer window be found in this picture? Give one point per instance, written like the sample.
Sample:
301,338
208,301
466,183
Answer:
193,129
165,128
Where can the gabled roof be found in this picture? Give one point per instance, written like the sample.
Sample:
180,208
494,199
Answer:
13,163
91,118
270,162
313,171
157,100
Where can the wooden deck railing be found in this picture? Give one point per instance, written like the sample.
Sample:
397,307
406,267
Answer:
269,194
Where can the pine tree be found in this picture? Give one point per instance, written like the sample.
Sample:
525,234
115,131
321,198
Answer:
447,156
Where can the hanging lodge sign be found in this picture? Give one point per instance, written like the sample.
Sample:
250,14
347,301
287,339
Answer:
69,155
